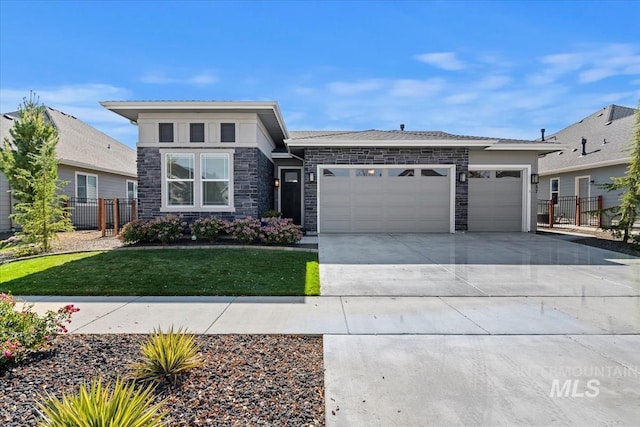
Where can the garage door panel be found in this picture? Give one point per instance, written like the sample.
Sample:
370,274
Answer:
495,204
387,203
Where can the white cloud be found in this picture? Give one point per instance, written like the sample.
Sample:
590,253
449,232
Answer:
417,88
347,88
460,98
493,82
201,79
444,60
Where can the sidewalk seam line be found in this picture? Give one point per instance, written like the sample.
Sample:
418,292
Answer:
220,315
106,314
464,315
344,316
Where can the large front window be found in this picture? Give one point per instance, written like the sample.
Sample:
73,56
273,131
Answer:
197,180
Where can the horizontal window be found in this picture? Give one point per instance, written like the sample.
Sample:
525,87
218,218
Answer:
479,174
335,172
434,172
401,172
508,174
371,172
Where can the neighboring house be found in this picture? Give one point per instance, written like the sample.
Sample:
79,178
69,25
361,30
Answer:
94,164
595,152
237,159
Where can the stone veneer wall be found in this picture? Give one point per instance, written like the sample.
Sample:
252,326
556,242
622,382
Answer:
252,181
383,156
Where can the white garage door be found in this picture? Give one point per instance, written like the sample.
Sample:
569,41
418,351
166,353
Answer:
495,200
375,199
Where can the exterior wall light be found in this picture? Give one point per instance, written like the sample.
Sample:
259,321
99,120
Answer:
276,182
462,177
535,178
312,177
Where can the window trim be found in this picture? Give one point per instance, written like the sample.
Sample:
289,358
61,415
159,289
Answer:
135,189
86,174
197,187
551,191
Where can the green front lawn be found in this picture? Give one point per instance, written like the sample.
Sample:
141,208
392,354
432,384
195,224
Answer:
165,272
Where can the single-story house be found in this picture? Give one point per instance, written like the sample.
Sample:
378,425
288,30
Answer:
94,164
595,152
236,159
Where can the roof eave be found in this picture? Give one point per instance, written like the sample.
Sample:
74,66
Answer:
388,143
74,163
541,147
595,165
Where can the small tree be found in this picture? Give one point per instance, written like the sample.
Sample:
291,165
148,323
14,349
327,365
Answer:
43,216
629,209
27,136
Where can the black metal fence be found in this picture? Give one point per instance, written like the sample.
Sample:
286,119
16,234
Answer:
106,215
570,211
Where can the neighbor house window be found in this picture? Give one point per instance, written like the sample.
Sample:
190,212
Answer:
132,190
180,173
198,181
227,132
86,186
555,189
196,132
165,131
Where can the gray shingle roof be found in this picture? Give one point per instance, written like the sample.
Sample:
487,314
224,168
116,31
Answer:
607,131
394,135
84,146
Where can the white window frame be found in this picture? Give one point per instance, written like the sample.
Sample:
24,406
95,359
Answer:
135,189
197,186
551,191
87,175
228,180
577,185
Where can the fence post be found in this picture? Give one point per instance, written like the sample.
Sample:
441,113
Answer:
600,211
102,217
116,212
578,220
551,214
134,210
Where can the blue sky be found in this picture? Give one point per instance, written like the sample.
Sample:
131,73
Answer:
502,69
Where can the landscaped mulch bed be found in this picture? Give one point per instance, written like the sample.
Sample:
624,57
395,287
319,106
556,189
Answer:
245,380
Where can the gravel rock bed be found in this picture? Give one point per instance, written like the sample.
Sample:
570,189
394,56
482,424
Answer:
245,380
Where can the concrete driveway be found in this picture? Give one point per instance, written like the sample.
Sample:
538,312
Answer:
480,329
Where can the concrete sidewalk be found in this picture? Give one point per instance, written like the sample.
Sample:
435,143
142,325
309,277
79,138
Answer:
372,315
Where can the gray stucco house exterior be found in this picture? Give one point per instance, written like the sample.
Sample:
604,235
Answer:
595,152
93,164
235,159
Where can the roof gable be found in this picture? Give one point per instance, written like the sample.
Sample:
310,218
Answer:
81,145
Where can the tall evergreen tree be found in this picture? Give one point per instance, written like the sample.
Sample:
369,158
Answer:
27,136
629,209
43,216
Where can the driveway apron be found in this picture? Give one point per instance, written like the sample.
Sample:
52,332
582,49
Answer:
480,329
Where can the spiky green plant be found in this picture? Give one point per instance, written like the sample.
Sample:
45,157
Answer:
167,356
102,405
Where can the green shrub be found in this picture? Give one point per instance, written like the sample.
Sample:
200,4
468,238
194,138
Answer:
280,231
245,230
272,214
24,332
101,405
208,228
167,356
163,230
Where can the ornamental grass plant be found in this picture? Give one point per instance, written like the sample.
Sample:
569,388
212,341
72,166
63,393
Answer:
101,405
167,356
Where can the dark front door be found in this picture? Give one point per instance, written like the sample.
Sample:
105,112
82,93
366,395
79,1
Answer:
291,194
